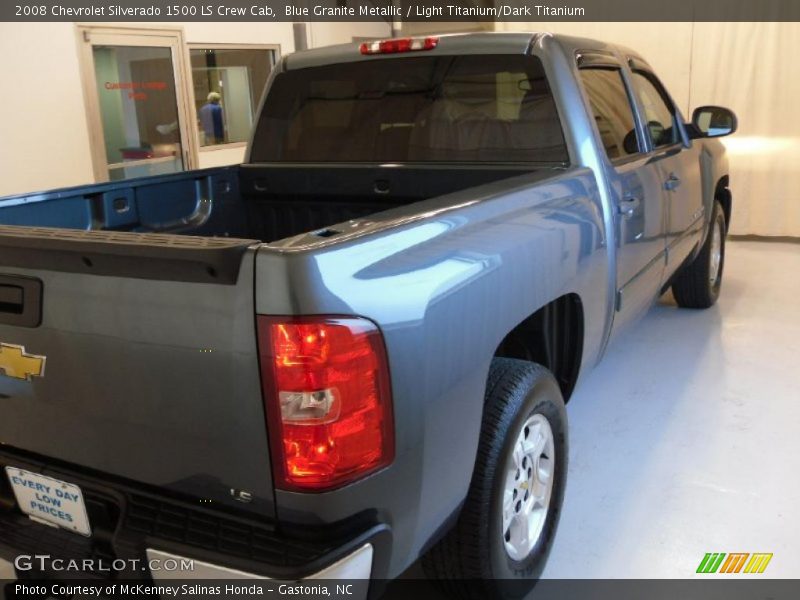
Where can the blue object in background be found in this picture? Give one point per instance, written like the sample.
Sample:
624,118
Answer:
211,120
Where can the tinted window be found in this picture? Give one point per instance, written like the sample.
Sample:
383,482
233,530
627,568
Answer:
430,109
612,111
658,113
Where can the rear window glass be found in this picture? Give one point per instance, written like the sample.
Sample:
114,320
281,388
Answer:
421,109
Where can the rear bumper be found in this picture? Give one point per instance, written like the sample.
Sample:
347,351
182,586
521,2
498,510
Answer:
133,524
356,565
6,569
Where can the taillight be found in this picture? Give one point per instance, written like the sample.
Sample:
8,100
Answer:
395,45
328,400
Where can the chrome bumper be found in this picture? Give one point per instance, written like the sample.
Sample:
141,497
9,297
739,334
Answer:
357,565
7,570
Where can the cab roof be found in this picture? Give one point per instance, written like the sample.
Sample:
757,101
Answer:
455,43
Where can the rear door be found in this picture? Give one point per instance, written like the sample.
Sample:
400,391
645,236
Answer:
134,356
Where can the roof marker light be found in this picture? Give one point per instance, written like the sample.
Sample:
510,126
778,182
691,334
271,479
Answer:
396,45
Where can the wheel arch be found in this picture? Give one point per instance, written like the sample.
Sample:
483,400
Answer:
722,194
552,336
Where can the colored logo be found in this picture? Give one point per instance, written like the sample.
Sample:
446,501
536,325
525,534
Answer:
736,562
16,363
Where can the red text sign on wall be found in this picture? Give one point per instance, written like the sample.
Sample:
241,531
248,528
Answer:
136,88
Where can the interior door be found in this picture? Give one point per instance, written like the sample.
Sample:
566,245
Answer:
136,102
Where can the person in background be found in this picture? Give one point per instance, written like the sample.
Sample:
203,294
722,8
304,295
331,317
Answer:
211,119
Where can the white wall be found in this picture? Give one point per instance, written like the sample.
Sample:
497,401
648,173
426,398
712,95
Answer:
328,34
44,138
752,68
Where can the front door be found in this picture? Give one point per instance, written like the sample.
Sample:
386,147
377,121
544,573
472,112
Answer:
678,168
136,102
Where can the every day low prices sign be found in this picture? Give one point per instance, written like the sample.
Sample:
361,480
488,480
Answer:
55,502
400,10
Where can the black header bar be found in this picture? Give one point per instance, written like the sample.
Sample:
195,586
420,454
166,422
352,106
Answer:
465,11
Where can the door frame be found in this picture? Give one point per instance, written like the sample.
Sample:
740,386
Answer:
88,35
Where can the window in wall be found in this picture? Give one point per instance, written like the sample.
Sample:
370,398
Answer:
660,117
612,111
228,83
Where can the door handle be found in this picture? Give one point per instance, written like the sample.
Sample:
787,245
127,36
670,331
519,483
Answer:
672,182
628,206
20,301
12,298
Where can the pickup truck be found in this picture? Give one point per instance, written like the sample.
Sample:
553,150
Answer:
353,350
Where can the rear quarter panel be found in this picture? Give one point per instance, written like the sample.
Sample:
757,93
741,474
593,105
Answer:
445,280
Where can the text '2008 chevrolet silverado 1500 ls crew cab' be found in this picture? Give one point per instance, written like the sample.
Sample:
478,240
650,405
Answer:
353,350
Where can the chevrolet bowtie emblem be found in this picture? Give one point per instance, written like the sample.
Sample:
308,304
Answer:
16,363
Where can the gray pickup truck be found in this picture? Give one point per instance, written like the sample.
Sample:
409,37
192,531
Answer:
354,349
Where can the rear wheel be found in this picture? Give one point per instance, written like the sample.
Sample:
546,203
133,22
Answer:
699,283
500,543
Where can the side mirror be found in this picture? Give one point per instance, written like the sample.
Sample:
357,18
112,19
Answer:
713,121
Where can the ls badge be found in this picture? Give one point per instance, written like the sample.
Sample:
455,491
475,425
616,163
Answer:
16,363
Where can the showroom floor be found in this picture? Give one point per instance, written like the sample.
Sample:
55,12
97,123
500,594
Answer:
686,438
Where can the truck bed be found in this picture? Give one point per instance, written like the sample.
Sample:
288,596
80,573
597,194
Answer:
256,202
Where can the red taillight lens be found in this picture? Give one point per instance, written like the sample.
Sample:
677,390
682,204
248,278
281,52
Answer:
399,45
328,400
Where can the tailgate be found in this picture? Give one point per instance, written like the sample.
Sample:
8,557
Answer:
139,359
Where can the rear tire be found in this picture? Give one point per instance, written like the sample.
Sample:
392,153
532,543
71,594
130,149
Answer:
500,543
699,283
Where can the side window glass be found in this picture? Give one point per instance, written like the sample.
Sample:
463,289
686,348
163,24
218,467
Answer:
658,113
612,111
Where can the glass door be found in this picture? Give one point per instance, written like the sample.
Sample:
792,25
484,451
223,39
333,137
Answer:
136,102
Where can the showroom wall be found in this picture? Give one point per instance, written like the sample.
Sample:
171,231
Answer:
326,34
723,63
752,68
46,143
44,137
